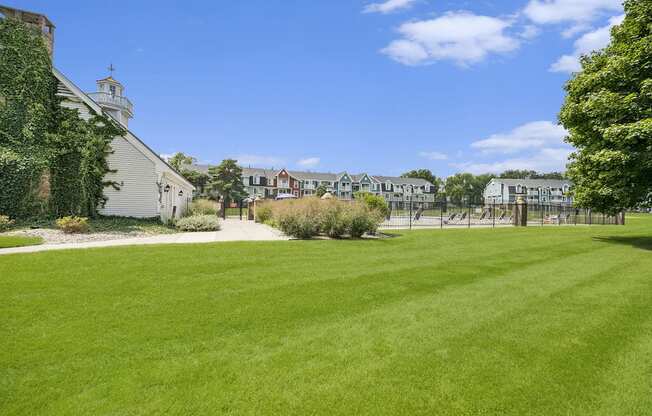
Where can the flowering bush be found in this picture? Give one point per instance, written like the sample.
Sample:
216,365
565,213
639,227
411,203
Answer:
5,223
73,225
198,223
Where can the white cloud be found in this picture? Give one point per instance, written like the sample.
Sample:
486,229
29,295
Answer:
560,11
259,160
433,155
388,6
587,43
537,145
166,156
462,37
547,159
309,162
530,32
533,135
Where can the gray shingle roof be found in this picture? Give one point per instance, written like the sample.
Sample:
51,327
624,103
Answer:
534,183
402,181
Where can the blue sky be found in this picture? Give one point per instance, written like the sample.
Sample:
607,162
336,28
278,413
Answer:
377,86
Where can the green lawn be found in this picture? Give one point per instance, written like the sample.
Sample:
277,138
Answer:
538,321
7,241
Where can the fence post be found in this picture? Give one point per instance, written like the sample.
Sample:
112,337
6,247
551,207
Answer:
240,206
441,215
469,219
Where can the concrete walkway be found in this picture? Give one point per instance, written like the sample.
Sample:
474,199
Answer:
232,230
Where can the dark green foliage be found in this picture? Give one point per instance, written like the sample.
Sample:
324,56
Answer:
226,180
19,177
27,102
78,166
183,164
608,113
48,155
467,188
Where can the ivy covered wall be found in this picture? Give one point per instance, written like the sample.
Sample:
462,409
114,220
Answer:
52,162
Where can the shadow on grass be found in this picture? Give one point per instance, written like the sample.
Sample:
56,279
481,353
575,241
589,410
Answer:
644,243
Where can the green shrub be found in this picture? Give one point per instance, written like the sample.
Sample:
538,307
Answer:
334,220
363,220
73,225
5,223
198,223
203,207
264,212
374,202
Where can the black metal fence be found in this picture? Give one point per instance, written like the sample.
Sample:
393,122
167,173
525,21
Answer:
405,214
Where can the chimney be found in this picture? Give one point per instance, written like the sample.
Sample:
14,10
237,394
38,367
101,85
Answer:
36,21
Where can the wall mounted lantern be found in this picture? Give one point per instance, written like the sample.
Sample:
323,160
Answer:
167,188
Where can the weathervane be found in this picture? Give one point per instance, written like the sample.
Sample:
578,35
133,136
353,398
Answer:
111,69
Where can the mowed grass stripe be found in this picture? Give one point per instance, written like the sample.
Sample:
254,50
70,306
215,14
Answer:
454,322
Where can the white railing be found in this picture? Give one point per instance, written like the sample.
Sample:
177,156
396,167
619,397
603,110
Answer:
110,99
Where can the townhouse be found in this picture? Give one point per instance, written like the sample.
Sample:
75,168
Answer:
535,191
267,183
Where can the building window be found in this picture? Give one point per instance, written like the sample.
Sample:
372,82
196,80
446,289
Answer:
112,90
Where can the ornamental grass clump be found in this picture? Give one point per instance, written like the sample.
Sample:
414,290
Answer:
298,218
334,218
196,223
308,217
363,220
73,225
264,212
203,207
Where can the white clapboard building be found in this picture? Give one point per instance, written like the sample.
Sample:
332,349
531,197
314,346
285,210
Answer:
148,186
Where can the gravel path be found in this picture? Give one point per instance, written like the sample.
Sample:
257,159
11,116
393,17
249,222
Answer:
232,230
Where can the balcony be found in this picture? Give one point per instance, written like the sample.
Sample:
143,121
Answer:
104,98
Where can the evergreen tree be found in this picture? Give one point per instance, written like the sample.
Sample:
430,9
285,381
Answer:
226,180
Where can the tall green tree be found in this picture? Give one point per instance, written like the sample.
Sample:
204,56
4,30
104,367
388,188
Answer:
479,184
226,180
608,114
180,161
183,164
427,175
459,187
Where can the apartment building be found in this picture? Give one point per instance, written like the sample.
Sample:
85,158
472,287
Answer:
535,191
266,183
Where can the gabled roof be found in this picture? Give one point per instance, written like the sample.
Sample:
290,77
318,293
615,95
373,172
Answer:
402,181
534,183
129,136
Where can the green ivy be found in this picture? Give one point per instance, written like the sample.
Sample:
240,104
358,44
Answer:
52,162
